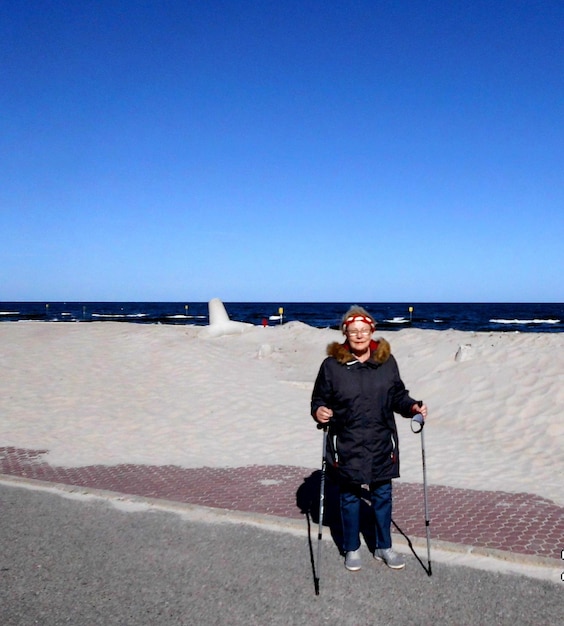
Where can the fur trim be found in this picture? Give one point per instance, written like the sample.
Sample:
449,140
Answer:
340,351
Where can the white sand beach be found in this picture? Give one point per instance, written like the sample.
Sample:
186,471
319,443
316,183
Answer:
108,393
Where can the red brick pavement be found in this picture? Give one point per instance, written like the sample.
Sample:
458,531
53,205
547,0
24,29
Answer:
518,523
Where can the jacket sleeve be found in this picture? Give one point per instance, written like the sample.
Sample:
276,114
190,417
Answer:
322,389
400,400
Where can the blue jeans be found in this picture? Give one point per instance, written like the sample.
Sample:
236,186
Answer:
381,497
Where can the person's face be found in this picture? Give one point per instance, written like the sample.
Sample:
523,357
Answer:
359,335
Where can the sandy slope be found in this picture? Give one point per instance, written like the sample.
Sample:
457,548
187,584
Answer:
126,393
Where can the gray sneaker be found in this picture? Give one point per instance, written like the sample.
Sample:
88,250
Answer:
391,559
352,560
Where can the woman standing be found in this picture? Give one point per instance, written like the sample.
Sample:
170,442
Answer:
358,390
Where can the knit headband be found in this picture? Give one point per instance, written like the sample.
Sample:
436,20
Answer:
358,318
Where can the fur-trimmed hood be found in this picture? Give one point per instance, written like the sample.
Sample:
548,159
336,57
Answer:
379,348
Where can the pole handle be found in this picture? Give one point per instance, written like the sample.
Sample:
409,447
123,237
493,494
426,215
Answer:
417,421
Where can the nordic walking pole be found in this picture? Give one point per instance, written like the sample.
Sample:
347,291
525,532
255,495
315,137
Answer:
321,507
417,424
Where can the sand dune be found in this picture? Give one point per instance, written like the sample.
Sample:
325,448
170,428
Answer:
107,393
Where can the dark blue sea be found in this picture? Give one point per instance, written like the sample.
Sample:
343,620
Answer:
528,317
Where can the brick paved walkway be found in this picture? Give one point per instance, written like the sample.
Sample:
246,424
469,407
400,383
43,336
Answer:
517,523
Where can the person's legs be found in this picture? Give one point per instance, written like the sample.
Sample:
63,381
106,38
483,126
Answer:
381,495
350,518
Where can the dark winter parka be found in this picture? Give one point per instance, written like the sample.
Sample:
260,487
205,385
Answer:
364,398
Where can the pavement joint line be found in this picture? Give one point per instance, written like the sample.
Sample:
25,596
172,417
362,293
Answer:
442,551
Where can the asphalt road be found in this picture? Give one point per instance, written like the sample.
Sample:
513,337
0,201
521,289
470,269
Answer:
86,562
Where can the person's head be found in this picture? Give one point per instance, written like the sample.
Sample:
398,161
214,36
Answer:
358,326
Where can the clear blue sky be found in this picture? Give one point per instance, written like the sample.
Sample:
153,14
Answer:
282,150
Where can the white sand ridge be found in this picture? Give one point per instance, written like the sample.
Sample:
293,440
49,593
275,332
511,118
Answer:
111,393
